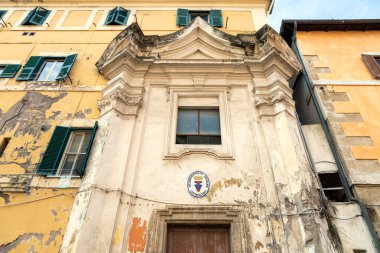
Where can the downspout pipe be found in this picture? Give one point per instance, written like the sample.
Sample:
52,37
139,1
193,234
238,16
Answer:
329,136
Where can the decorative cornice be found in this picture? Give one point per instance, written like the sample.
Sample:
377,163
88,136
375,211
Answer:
117,96
276,97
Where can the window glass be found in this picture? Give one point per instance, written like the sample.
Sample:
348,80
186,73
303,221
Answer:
1,70
187,122
209,122
203,15
50,70
198,126
75,153
377,59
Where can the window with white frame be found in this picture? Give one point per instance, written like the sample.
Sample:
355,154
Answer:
50,70
75,153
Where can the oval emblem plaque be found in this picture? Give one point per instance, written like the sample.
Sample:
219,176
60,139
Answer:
198,184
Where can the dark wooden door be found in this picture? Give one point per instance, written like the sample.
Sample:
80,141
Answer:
198,239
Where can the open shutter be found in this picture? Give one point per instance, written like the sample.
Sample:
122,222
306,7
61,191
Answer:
10,71
30,14
39,16
122,16
372,65
66,67
111,16
88,150
30,70
52,157
216,19
182,17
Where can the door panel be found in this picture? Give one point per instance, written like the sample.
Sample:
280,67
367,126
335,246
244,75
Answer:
198,239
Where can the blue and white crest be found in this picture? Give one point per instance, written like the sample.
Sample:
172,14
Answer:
198,184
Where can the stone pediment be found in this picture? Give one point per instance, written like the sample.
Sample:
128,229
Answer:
196,43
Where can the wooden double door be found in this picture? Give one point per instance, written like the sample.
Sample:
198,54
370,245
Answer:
198,239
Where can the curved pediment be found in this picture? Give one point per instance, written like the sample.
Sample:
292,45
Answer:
197,42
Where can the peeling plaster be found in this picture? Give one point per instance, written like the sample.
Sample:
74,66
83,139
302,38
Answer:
24,237
137,236
219,185
52,236
5,197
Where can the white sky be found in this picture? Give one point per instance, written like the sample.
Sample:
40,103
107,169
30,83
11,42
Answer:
323,9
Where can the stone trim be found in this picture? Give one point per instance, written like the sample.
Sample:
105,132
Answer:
226,215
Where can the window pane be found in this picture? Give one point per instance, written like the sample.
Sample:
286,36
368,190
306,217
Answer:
1,70
55,71
77,138
68,164
79,163
87,137
377,59
46,69
187,122
209,122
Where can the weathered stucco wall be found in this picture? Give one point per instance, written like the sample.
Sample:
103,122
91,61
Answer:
349,96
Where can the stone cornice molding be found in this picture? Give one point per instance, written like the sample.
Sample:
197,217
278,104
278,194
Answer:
198,43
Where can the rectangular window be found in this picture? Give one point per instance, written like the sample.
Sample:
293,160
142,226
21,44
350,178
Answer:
213,17
4,145
117,16
373,64
37,16
68,151
45,68
198,126
75,153
50,70
332,186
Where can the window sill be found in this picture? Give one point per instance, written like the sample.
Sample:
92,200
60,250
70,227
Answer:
55,181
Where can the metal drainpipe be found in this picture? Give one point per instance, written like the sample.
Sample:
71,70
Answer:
329,136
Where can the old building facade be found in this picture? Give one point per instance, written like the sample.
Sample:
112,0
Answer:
155,126
336,99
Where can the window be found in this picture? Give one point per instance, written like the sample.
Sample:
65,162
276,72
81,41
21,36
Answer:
36,16
373,64
117,16
332,186
45,68
2,13
4,145
50,70
68,151
9,70
198,126
213,17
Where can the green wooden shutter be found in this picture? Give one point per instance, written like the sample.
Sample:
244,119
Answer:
31,68
52,157
2,13
182,17
216,19
39,16
66,67
88,150
111,16
30,14
122,16
10,71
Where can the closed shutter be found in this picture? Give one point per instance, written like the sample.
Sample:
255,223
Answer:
182,17
372,65
88,150
10,70
216,18
52,156
122,16
39,16
66,67
31,68
111,16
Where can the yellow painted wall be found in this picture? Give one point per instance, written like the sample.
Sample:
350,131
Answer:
341,53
